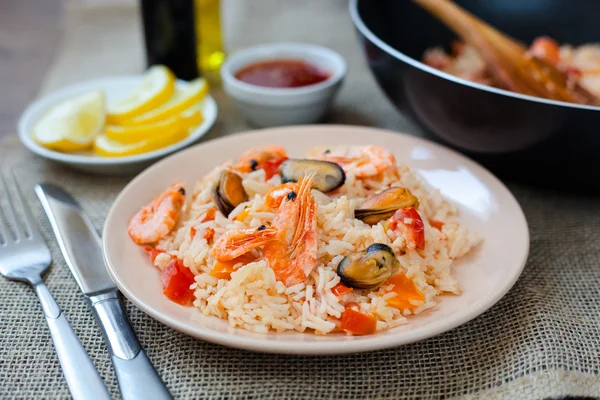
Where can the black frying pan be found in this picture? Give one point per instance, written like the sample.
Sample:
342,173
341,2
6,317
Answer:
519,137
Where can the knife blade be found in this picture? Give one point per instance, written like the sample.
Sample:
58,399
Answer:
77,238
80,244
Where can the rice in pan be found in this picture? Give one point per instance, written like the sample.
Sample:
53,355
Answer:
275,281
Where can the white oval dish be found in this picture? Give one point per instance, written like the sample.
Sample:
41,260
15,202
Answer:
485,206
268,106
114,89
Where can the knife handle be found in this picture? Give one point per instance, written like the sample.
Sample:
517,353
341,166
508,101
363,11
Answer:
138,380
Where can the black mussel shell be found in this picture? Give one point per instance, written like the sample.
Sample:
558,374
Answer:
327,176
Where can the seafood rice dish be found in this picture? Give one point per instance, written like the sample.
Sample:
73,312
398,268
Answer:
344,240
580,64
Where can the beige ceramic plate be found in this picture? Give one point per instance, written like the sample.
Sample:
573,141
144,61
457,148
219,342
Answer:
486,206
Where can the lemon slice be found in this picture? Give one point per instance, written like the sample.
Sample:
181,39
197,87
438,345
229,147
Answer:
106,147
181,100
156,88
72,124
136,133
188,119
191,118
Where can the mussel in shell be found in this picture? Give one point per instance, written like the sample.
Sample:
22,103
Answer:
384,204
229,192
327,176
369,268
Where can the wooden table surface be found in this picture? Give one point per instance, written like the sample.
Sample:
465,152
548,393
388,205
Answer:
30,33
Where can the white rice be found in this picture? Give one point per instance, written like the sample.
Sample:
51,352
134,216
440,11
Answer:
254,300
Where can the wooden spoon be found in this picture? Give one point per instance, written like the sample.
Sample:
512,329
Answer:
509,61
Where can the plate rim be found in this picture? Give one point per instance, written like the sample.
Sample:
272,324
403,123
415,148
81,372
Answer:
44,102
284,346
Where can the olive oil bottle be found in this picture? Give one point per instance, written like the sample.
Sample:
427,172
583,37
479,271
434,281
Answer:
209,37
184,35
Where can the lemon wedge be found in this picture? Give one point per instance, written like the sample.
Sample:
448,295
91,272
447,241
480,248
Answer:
106,147
156,88
72,124
181,100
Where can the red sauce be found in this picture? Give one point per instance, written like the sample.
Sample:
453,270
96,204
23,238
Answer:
282,74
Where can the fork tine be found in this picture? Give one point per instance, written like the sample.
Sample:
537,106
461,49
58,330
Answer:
11,213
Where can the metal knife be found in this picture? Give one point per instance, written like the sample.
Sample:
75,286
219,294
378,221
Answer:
80,246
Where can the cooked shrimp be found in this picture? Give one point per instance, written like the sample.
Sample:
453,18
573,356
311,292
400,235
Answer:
362,161
157,219
274,198
464,62
294,254
582,63
437,58
237,242
251,159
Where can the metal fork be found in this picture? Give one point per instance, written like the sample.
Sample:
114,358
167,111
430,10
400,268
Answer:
24,257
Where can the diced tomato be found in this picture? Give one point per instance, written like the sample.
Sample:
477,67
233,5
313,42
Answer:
408,221
547,49
274,198
405,290
210,215
436,224
340,289
357,323
152,252
223,269
176,281
271,166
209,233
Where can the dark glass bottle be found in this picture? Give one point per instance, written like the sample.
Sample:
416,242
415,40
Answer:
170,35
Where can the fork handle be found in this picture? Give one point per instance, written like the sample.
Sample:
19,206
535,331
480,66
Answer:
138,380
80,373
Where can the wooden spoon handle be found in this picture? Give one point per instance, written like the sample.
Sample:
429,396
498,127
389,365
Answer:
508,59
462,22
476,33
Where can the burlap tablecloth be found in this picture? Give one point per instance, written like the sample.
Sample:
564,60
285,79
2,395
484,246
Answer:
542,340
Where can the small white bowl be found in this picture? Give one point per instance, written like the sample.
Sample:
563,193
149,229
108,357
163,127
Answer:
267,106
114,88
